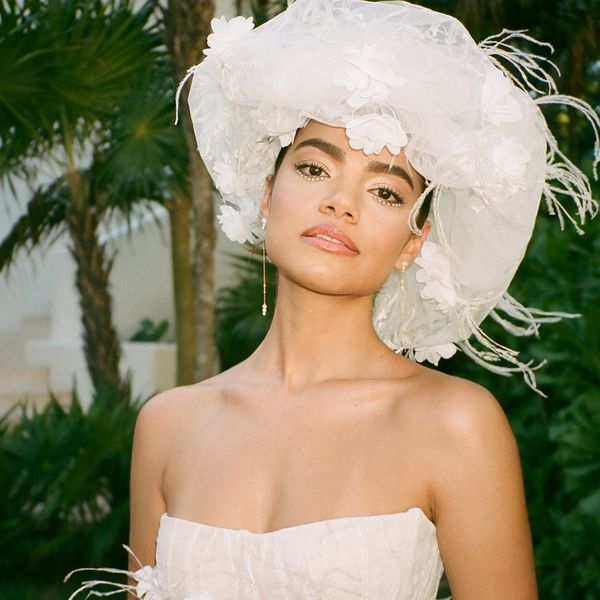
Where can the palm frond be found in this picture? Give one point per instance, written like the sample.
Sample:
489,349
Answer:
145,155
45,214
64,66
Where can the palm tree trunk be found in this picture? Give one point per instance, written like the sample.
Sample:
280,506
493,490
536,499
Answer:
100,342
188,25
207,363
179,215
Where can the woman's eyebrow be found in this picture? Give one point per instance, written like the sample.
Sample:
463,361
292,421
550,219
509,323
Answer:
339,155
380,167
331,149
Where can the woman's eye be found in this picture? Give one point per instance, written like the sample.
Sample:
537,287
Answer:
311,171
387,196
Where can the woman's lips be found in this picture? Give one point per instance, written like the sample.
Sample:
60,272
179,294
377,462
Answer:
331,239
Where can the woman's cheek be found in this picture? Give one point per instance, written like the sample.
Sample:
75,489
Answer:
390,235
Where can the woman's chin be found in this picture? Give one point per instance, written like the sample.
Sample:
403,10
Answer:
324,281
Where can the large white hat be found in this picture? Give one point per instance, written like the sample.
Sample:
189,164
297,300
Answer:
406,77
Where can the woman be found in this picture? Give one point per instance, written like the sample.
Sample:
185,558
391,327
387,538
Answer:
330,464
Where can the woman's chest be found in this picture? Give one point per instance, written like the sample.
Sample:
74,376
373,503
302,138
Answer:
264,472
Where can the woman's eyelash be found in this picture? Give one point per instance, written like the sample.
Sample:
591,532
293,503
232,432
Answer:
312,171
312,167
398,199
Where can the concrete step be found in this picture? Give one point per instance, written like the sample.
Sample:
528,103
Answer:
32,398
12,355
20,383
34,327
12,343
22,379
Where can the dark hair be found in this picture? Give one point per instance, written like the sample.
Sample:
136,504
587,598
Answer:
423,211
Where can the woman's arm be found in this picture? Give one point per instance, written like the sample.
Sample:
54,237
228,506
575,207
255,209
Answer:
479,501
147,462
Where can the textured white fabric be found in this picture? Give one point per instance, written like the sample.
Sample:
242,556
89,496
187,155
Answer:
378,557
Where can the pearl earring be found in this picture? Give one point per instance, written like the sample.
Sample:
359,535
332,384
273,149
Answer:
403,312
263,226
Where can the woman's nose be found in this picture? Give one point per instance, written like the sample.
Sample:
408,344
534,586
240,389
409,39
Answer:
341,203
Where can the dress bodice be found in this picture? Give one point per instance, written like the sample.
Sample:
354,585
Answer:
377,557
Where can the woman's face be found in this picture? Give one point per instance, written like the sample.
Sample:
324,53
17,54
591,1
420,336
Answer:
337,219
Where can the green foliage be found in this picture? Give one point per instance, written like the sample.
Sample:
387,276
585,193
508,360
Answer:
64,66
558,436
44,216
144,154
64,484
240,326
576,433
149,331
86,73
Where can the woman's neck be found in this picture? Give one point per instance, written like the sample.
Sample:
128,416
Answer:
317,337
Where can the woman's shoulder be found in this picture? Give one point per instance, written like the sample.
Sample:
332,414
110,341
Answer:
456,408
171,406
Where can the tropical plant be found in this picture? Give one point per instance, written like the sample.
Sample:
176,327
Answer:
83,86
149,331
240,323
64,484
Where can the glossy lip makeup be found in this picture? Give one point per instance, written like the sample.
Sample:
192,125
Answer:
331,239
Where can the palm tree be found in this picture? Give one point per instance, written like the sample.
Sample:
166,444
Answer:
187,25
82,79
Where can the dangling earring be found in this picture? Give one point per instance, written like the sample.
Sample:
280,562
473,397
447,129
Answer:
403,315
263,226
403,266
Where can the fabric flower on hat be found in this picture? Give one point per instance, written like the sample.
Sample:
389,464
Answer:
278,123
226,177
225,33
371,133
435,274
287,138
433,354
497,99
237,222
367,76
511,157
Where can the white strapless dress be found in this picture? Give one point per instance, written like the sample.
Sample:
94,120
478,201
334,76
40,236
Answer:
377,557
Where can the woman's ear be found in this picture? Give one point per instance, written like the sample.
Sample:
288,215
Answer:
264,205
413,246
